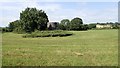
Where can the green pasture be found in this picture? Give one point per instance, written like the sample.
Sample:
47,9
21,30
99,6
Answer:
97,48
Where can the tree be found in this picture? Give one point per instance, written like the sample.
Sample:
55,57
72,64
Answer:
64,24
116,25
14,25
92,26
85,27
76,23
32,19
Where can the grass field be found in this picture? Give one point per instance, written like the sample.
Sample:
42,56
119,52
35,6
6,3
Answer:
97,48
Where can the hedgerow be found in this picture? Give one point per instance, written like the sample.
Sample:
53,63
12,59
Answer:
53,33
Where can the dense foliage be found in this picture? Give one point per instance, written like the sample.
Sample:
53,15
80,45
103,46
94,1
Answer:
92,26
74,24
5,29
64,24
30,19
53,33
33,18
116,25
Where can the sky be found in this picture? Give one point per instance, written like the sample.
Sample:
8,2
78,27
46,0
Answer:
89,12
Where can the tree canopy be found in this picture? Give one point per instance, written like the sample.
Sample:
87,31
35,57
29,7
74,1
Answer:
64,24
30,19
33,18
76,23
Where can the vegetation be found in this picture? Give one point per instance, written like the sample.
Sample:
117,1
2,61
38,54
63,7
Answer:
115,25
30,20
74,24
92,26
84,48
97,48
54,33
5,29
14,25
64,24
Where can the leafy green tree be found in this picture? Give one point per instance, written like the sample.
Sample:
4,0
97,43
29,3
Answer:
6,29
14,24
92,26
85,27
64,24
32,19
76,23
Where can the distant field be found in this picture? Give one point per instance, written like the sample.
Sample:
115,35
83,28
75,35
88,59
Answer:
98,48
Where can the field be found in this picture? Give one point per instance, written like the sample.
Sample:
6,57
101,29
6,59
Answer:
96,48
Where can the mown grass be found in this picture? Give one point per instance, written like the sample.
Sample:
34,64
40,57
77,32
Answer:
99,48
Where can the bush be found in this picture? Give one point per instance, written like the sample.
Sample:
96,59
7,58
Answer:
19,30
5,29
54,33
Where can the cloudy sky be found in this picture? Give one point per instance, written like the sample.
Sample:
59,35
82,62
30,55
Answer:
90,12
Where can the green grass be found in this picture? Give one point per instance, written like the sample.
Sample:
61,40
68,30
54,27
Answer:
99,48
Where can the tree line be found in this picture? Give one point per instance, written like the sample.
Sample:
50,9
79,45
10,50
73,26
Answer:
74,24
32,19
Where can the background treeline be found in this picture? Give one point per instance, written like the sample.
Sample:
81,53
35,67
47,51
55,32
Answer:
74,24
32,19
114,25
67,25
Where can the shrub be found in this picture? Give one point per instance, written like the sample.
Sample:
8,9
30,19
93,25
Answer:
54,33
19,30
6,29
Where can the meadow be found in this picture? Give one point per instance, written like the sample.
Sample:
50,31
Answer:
97,48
